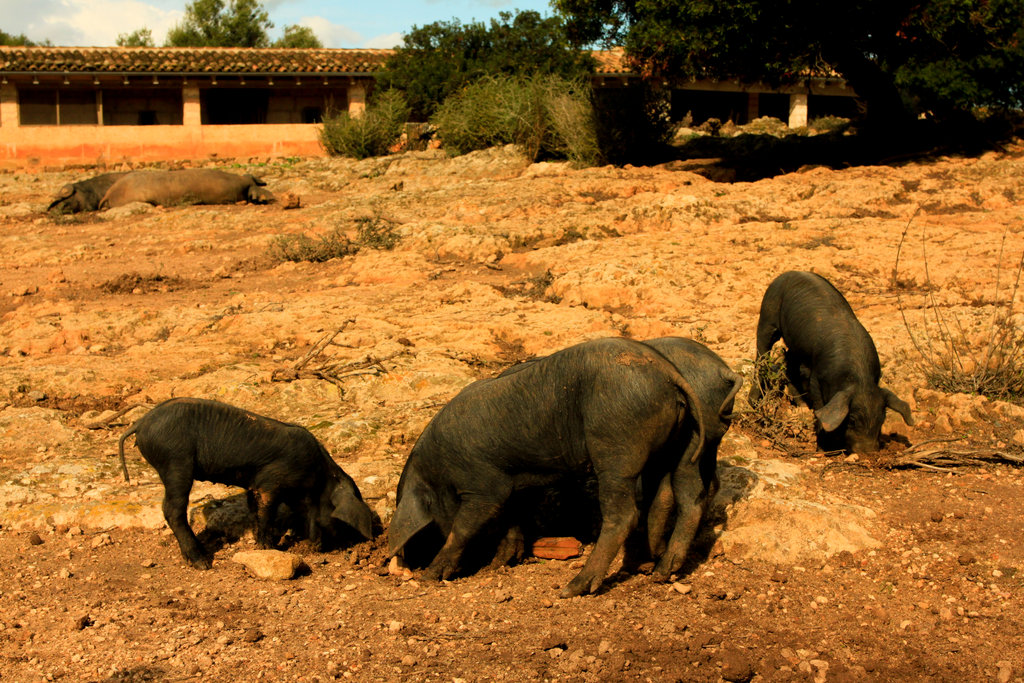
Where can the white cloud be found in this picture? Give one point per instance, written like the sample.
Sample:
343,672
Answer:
331,34
384,42
99,22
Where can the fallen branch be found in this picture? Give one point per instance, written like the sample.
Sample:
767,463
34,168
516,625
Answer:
319,347
942,459
104,423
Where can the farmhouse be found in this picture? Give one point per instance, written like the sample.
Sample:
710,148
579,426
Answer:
62,105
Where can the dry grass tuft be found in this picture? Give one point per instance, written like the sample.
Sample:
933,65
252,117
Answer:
953,359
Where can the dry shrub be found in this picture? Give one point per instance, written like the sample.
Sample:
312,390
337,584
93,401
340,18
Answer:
546,115
989,362
371,233
372,134
376,233
334,244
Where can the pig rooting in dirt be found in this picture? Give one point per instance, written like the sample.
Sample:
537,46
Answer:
689,489
831,361
186,439
608,406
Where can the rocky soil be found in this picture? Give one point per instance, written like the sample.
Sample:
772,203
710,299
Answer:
813,566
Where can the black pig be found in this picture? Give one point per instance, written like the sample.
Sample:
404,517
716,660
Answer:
84,195
185,439
608,406
694,482
830,361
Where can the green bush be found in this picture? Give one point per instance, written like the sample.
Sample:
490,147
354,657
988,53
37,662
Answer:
548,116
369,135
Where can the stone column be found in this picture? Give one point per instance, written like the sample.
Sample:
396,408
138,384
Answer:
10,115
191,114
753,108
798,110
356,100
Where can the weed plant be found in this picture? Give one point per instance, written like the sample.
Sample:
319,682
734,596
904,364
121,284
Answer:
334,244
371,233
989,362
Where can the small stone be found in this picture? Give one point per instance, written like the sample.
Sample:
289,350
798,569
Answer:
101,540
1005,671
148,564
273,565
251,635
965,559
408,660
35,539
395,626
682,588
938,516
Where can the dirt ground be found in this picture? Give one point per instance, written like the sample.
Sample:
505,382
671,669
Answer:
813,566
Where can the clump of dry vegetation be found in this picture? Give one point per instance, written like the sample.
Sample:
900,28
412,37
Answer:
955,357
768,417
371,233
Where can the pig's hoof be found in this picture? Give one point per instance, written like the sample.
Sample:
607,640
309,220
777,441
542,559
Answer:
200,563
667,566
581,585
431,574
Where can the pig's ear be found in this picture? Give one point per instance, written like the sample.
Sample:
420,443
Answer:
894,402
832,414
64,193
411,516
351,510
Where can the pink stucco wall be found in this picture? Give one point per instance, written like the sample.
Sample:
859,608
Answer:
26,146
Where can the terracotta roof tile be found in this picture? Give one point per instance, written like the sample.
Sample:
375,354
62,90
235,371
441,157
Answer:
612,61
190,60
198,60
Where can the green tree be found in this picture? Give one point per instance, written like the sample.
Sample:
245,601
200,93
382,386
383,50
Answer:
298,36
10,39
141,37
902,57
211,23
438,59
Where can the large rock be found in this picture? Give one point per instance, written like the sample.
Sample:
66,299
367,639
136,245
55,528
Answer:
775,513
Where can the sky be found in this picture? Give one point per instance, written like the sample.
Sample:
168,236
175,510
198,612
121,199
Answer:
365,24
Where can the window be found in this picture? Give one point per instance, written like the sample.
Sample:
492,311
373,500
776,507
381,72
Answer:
56,106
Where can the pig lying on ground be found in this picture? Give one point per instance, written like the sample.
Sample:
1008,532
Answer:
694,482
185,439
609,406
85,195
830,361
188,186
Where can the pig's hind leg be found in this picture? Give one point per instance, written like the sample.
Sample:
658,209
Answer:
177,486
619,516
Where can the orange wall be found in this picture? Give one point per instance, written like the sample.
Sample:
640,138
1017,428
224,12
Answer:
22,146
